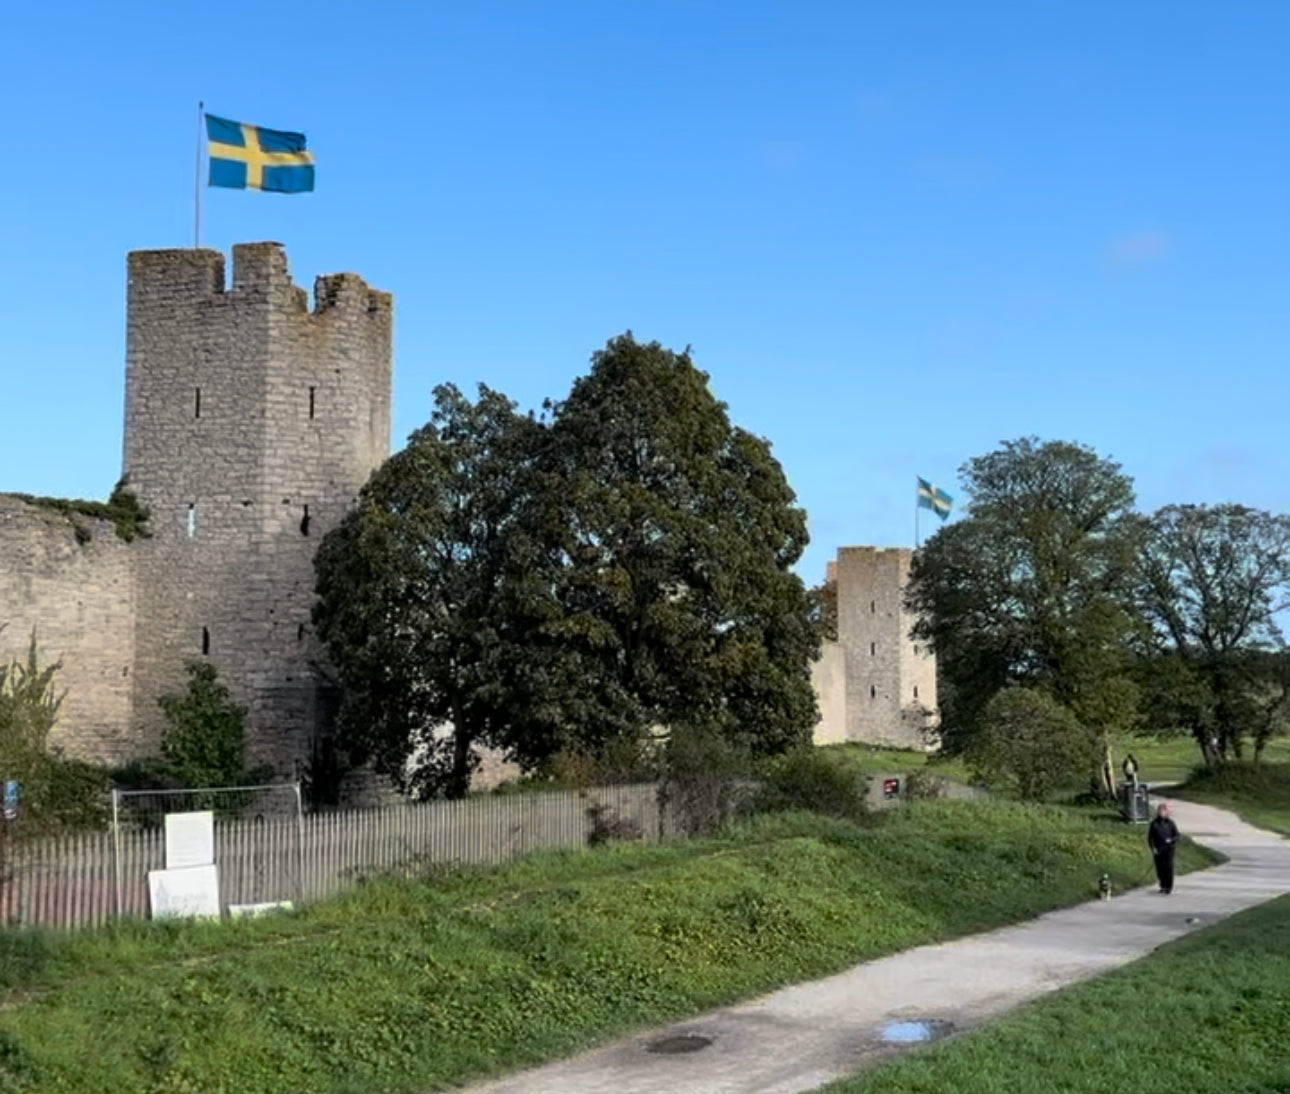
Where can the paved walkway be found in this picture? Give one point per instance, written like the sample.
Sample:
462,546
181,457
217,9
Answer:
805,1036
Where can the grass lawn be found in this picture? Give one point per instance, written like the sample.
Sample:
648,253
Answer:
1209,1013
1172,759
1258,793
419,985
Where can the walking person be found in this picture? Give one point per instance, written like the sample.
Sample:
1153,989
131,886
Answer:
1162,838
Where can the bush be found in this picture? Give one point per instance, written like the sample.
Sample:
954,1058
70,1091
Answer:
204,743
703,779
811,780
56,794
1030,744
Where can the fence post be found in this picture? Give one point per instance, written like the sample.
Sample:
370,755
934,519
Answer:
300,845
116,847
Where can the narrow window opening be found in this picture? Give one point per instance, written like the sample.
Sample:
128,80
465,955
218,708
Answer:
206,641
873,649
192,520
197,403
873,692
304,522
915,691
312,390
300,635
873,606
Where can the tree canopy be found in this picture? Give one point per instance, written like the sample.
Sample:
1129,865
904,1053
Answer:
620,566
1030,587
1212,580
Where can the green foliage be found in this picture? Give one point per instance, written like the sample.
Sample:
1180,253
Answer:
1032,587
1030,744
122,508
204,741
565,586
1258,792
704,779
57,794
809,779
679,533
433,596
1211,582
404,985
1205,1013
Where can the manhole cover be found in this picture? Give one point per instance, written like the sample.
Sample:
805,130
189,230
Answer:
684,1042
914,1032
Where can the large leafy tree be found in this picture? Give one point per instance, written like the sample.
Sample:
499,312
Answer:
1212,580
679,534
573,585
425,597
1031,588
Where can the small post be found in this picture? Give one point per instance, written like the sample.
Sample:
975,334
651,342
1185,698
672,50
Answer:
300,845
197,179
116,846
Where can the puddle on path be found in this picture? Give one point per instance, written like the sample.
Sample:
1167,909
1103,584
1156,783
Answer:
914,1031
679,1043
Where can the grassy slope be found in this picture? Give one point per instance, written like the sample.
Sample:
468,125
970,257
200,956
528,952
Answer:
1172,759
404,986
1258,793
1208,1013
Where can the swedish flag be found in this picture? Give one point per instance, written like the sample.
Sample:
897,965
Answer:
934,498
250,156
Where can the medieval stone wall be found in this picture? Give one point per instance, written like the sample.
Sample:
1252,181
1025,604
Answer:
251,425
71,581
875,684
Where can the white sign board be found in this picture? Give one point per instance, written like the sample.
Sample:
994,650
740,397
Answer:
190,891
190,839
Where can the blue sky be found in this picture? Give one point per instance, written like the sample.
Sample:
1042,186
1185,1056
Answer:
895,234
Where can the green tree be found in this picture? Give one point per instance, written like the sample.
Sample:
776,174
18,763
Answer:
432,598
1032,588
204,740
1030,744
56,793
679,533
1212,580
563,587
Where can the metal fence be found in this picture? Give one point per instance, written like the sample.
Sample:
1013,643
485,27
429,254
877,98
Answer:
87,879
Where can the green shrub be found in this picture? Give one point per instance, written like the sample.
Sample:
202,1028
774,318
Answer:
57,795
704,777
811,780
204,742
1030,744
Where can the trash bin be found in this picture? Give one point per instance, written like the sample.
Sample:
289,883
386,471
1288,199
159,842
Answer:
1135,802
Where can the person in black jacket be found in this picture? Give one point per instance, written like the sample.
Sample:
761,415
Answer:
1162,838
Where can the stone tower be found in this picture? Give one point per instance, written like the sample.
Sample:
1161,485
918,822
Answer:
251,424
874,684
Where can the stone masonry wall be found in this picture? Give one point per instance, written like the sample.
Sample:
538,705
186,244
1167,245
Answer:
888,682
79,598
251,425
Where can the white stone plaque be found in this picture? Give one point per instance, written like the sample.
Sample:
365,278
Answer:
190,891
190,839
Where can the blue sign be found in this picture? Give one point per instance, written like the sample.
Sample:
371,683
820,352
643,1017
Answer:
10,799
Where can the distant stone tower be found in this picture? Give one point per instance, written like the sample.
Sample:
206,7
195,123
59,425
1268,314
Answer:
874,684
251,424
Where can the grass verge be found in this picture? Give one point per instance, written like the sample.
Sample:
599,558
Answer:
1257,793
1209,1013
407,985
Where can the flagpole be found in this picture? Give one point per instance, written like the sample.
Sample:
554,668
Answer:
197,181
917,507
